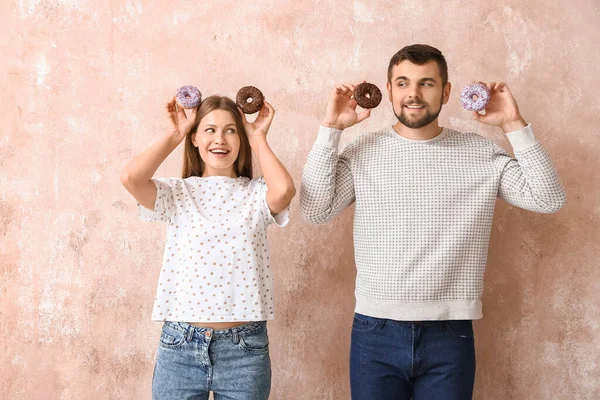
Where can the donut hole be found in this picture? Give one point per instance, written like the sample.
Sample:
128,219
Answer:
367,95
249,100
474,97
187,96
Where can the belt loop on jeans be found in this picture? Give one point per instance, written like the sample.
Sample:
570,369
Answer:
190,333
236,336
383,322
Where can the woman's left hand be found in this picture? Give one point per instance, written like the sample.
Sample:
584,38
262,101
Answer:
260,126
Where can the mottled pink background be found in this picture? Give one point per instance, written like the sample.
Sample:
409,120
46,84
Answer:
84,84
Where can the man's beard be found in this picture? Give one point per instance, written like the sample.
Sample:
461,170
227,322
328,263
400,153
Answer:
419,123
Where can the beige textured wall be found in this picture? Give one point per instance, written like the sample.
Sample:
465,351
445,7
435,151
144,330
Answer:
83,86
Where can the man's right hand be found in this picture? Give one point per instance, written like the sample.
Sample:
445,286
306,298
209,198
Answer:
341,109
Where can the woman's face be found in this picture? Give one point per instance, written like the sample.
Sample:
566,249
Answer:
218,142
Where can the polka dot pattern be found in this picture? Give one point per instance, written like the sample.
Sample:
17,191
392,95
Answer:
216,265
423,213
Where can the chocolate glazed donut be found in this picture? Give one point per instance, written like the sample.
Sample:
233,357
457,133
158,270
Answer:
250,93
367,95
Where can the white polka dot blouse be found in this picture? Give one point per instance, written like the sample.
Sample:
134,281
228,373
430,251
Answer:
216,264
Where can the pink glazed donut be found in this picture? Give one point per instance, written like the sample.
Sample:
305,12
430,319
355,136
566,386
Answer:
481,94
188,97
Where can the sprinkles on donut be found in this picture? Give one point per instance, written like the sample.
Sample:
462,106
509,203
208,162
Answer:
188,97
481,94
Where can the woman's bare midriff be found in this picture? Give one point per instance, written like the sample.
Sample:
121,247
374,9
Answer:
217,325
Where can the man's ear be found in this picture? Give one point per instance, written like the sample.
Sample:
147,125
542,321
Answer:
447,90
388,86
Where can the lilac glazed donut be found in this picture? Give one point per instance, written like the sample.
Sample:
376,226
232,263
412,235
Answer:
481,93
188,96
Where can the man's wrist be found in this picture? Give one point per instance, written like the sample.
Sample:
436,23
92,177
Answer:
327,124
514,125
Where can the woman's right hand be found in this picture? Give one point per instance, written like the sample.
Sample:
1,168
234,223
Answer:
341,109
180,124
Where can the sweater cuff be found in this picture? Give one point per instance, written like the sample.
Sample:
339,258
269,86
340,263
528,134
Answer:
522,139
329,137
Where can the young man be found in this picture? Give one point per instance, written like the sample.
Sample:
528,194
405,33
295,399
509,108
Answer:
425,198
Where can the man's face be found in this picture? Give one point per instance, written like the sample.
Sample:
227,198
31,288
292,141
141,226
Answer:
416,93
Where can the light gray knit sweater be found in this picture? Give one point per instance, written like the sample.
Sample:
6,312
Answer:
424,212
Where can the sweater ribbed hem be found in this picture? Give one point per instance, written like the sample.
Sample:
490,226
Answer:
419,311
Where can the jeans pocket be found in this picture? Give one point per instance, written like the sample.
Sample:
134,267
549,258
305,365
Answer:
171,338
255,342
460,328
364,323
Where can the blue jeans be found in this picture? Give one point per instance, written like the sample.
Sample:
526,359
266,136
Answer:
399,360
232,363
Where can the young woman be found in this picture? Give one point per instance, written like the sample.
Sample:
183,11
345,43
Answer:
215,287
